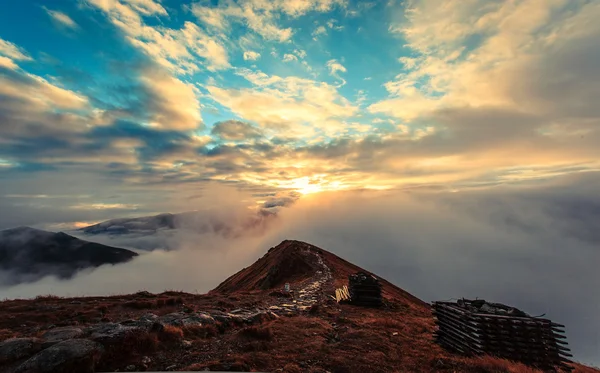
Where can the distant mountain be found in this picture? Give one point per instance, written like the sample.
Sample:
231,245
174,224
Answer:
30,254
197,222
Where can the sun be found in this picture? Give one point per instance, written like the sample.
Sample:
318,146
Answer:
305,186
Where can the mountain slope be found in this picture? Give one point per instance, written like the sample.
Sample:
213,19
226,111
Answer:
34,253
293,261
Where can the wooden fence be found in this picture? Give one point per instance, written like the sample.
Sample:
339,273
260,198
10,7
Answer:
533,341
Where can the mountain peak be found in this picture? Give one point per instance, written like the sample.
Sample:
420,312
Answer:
293,262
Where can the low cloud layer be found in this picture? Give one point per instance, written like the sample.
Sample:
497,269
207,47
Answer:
532,246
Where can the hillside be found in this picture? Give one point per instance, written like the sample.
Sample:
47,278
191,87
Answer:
30,254
245,324
197,222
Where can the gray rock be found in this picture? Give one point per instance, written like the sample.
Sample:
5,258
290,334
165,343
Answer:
172,318
206,318
73,355
18,348
61,334
148,317
140,324
109,332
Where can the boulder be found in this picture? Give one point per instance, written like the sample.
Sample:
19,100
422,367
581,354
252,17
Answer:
62,333
109,332
18,348
150,317
73,355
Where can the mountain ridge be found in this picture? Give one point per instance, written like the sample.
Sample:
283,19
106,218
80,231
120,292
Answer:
33,253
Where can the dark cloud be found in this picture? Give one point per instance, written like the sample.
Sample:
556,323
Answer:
235,130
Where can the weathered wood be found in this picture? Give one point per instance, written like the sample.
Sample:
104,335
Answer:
533,341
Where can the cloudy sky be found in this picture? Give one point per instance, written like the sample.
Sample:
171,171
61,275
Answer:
111,103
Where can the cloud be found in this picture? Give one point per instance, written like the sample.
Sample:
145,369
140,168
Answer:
251,56
175,49
262,17
31,105
334,67
173,103
278,102
7,63
289,57
61,19
321,30
503,68
235,130
300,53
12,51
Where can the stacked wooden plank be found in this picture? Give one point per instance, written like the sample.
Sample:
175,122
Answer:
365,290
478,327
342,294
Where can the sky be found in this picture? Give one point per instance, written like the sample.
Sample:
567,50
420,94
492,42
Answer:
451,147
110,103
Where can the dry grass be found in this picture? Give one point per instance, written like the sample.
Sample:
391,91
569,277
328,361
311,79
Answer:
139,304
6,334
133,345
200,331
490,364
170,334
47,297
256,332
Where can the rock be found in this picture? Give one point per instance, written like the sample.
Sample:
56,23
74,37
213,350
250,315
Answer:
18,348
206,318
145,294
172,318
109,332
130,368
73,355
148,317
171,367
186,344
61,334
146,360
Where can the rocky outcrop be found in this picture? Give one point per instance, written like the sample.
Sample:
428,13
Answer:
74,355
18,348
56,335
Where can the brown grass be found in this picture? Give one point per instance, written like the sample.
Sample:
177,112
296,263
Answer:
170,334
134,344
292,368
47,297
200,331
139,304
256,332
490,364
6,334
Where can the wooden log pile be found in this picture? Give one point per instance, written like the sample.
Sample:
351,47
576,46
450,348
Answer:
365,290
479,327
